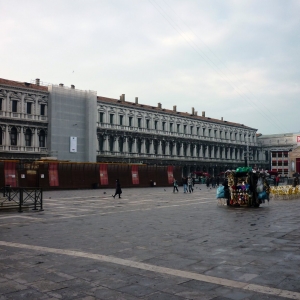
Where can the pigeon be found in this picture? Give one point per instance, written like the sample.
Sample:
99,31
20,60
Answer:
164,189
104,192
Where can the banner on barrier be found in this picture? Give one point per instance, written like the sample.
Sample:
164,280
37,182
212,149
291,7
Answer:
170,174
53,174
10,173
103,174
135,174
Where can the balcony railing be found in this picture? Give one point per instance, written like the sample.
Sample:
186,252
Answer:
24,149
175,157
21,116
172,134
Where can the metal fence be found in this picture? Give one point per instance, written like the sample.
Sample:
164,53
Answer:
21,198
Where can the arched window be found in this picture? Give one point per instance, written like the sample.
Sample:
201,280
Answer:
121,141
130,142
28,137
42,138
111,143
178,149
163,147
139,146
13,136
147,146
1,136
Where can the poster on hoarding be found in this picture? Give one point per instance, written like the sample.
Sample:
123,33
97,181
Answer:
135,174
53,174
170,174
73,143
103,174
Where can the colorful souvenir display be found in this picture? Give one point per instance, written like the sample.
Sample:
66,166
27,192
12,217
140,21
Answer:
247,187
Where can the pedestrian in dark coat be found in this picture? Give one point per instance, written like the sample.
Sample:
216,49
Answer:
207,181
118,189
226,190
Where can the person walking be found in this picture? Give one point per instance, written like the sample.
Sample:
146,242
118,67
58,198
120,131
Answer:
175,185
184,182
213,182
226,190
277,180
118,189
218,180
190,184
207,182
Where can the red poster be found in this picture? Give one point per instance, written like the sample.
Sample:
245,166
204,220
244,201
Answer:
170,174
103,174
53,174
135,174
10,173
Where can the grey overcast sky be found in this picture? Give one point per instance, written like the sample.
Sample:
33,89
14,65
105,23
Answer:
233,59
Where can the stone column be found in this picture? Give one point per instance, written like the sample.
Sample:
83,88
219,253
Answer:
188,150
212,151
36,111
229,153
125,144
159,148
143,150
218,152
6,138
116,144
181,149
151,147
167,147
21,136
174,150
204,149
105,142
98,139
22,110
194,150
35,139
134,145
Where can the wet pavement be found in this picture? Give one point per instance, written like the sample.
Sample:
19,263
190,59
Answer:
150,244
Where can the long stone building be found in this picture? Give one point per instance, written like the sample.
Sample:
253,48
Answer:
40,120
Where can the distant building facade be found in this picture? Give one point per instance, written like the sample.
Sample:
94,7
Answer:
71,124
23,120
282,152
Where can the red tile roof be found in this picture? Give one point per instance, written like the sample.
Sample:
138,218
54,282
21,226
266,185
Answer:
23,85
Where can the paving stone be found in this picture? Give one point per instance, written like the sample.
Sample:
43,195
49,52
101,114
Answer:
47,285
29,294
10,287
137,290
258,246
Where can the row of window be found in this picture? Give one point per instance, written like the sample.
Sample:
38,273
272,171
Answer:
280,163
174,127
29,107
280,154
28,137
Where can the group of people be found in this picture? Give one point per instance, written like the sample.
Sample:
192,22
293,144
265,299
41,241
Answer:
213,181
187,182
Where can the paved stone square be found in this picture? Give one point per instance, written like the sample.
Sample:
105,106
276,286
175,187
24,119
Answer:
150,244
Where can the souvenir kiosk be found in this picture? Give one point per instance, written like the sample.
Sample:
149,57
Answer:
244,187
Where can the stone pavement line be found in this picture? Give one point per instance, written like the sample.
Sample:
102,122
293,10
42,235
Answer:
184,274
